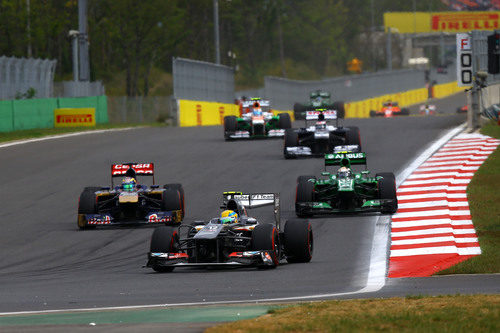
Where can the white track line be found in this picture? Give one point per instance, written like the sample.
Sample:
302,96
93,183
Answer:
378,258
60,136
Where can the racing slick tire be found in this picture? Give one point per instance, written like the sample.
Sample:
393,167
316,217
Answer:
230,126
352,136
373,113
265,237
165,239
387,190
291,140
87,205
284,121
340,107
404,112
298,238
172,200
298,109
179,188
304,194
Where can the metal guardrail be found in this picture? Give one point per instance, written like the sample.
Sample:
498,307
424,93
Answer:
19,75
202,81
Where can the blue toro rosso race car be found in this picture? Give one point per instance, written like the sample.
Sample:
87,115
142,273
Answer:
233,239
130,203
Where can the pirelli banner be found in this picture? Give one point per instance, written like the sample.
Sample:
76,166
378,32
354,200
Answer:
74,117
418,22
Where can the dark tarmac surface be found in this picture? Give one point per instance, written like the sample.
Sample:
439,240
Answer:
47,263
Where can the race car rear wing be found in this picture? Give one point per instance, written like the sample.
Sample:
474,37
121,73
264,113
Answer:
132,170
345,159
315,114
262,102
255,200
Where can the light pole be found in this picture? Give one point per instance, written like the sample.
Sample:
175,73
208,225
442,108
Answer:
28,28
216,32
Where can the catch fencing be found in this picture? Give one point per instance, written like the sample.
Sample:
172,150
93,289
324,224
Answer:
202,81
78,89
26,78
283,93
126,109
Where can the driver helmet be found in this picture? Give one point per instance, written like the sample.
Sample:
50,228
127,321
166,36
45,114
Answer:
228,217
344,172
321,125
128,183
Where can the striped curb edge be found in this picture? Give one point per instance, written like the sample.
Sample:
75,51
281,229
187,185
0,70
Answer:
432,229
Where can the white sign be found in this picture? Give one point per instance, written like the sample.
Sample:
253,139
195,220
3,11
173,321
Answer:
464,60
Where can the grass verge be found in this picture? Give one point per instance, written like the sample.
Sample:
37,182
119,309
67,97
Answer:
484,201
41,132
478,313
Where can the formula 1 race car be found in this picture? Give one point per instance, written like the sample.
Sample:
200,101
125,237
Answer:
235,240
389,110
131,203
427,109
318,100
346,191
320,137
257,121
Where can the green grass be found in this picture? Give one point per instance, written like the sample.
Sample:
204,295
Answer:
483,194
478,313
38,133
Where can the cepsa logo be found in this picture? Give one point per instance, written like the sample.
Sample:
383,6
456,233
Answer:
140,169
464,21
74,119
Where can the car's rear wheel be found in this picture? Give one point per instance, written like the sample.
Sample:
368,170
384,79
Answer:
87,204
298,110
298,241
265,238
305,193
165,239
230,126
387,190
340,107
171,200
352,136
373,113
179,188
284,121
404,112
291,140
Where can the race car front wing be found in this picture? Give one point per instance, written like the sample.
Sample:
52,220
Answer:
244,258
321,208
171,217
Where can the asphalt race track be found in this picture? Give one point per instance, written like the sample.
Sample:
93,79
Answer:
47,263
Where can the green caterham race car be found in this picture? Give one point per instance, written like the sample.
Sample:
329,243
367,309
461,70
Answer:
346,191
319,99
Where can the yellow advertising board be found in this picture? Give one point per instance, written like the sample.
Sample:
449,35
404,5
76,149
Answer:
418,22
199,113
74,117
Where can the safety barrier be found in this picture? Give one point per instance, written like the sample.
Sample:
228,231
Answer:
198,113
39,113
361,109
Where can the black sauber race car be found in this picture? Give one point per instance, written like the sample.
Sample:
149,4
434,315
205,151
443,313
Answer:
320,137
243,241
131,203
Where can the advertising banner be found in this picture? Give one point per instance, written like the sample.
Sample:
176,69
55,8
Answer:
74,117
453,22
